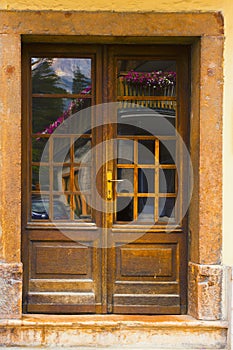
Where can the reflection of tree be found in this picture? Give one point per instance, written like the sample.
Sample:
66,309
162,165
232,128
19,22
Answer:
80,81
44,110
45,80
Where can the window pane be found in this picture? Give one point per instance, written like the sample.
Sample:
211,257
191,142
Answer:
146,209
49,113
40,207
166,206
146,152
127,185
61,149
146,180
81,208
81,148
38,145
167,180
125,152
61,209
167,152
147,83
82,179
125,210
61,178
40,178
147,77
139,121
61,75
53,80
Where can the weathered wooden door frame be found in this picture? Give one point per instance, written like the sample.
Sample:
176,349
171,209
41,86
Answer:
107,256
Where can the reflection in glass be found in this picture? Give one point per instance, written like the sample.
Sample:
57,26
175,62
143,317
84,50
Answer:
61,149
142,79
60,75
38,145
130,126
66,186
82,179
52,80
46,111
141,121
127,185
49,113
167,152
40,207
166,206
145,65
81,208
125,152
40,178
125,210
61,178
61,209
167,180
146,209
81,148
146,180
146,152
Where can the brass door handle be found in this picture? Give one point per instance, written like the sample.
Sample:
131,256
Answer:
110,180
120,180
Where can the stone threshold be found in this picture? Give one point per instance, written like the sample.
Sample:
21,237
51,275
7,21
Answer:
108,320
112,332
93,348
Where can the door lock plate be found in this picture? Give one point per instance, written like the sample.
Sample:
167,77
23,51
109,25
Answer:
109,185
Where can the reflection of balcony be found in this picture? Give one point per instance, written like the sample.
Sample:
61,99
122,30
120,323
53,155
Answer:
146,95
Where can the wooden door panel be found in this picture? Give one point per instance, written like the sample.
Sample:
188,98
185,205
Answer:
147,274
150,306
63,275
60,258
139,260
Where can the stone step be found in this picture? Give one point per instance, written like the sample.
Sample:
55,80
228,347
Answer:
93,348
114,332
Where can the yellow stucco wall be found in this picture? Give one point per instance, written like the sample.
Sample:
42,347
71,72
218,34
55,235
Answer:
115,5
226,7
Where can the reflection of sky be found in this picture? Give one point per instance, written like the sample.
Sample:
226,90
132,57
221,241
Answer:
65,67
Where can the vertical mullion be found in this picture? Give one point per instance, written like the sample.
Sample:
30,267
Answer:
135,200
179,198
93,136
51,168
156,207
72,177
96,133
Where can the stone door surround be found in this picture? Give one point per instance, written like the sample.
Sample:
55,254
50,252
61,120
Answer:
204,33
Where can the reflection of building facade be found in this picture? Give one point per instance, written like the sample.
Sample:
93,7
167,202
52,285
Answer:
63,280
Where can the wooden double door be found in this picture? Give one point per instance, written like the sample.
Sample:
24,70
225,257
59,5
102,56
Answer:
104,230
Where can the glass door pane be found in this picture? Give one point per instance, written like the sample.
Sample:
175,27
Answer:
146,90
61,87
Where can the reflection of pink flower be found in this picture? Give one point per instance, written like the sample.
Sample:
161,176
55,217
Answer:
156,79
73,108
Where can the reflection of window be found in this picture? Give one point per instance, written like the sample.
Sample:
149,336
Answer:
60,87
146,143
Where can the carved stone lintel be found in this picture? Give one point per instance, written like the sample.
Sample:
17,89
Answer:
11,290
205,291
